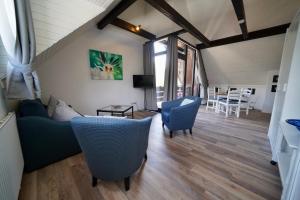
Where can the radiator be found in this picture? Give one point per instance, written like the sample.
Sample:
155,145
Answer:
11,159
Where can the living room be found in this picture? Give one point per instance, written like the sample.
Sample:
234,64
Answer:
145,99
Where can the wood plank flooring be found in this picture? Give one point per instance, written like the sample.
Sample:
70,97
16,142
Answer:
223,159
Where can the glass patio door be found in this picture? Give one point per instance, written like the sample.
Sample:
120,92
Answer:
185,84
180,78
186,68
189,75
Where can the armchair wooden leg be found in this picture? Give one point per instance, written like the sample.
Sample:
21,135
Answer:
171,134
94,181
146,157
127,183
191,131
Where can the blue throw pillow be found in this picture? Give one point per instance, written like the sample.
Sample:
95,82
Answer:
33,108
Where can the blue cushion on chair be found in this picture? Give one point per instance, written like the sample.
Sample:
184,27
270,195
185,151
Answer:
223,100
231,101
213,98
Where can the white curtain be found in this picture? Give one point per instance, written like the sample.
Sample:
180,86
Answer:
17,34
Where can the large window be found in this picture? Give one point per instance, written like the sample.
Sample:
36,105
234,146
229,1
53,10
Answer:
186,69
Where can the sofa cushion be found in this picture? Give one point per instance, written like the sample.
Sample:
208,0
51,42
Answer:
32,108
63,112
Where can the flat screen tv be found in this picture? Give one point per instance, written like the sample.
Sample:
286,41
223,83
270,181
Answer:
143,81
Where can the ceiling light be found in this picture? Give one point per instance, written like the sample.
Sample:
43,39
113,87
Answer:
241,21
138,28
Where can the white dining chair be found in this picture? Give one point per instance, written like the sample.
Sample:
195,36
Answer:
231,103
211,98
245,101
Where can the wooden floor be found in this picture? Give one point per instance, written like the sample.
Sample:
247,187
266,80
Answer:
223,159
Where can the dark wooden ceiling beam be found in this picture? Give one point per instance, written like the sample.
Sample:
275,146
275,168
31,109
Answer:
172,14
239,9
251,36
114,13
132,28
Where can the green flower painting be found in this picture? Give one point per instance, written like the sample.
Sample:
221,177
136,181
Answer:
105,66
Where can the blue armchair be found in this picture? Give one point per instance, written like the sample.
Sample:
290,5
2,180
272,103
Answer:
114,148
180,117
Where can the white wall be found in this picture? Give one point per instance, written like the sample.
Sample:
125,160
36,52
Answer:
3,60
66,74
269,96
245,64
291,108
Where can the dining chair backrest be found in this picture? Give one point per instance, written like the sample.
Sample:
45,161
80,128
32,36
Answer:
221,90
211,91
234,95
246,93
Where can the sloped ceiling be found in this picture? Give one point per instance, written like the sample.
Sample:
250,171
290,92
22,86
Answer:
55,19
245,63
214,18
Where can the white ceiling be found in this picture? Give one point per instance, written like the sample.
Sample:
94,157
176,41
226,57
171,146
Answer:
214,18
244,62
55,19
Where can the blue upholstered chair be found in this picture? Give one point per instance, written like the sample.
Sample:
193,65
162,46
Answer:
177,115
113,148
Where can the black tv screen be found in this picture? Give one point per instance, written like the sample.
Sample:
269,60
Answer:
143,81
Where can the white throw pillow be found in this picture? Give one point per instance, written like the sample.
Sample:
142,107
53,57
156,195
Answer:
63,112
186,101
52,105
